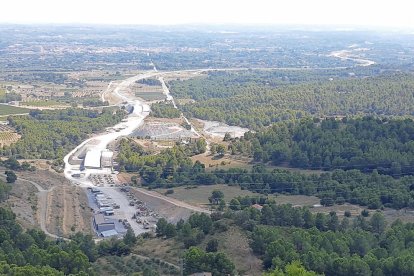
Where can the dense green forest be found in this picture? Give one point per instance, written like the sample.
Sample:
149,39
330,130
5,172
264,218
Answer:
51,134
253,100
164,110
173,167
29,252
324,244
149,81
365,144
282,235
133,158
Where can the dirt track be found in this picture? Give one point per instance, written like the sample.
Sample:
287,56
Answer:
171,209
42,205
57,206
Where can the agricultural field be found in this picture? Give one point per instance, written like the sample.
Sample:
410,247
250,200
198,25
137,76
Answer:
132,265
8,135
7,138
148,90
11,110
150,96
235,243
41,103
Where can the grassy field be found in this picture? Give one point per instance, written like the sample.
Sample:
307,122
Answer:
235,243
168,250
225,162
199,195
150,96
10,110
229,161
301,200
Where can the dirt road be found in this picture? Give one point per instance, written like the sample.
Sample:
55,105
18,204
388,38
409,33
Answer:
42,200
172,201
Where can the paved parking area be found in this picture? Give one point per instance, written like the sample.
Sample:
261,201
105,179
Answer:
120,225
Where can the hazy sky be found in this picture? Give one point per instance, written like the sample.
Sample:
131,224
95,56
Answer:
334,12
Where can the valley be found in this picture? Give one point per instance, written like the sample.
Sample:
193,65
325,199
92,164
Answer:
174,150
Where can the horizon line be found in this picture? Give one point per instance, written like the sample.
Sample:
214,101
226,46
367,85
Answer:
343,27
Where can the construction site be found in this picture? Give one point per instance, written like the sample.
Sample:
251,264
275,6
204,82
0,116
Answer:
164,131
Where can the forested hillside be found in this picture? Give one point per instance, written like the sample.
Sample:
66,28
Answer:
324,244
173,167
51,134
365,144
260,100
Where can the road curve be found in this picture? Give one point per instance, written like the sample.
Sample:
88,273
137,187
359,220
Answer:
42,199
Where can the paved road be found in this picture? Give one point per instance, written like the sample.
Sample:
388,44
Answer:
127,126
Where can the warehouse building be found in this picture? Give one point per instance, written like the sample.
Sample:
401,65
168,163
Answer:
109,233
106,159
92,159
97,159
101,224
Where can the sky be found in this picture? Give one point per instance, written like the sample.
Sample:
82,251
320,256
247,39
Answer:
395,13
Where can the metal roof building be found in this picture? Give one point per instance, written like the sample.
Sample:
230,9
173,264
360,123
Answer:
106,158
101,224
109,233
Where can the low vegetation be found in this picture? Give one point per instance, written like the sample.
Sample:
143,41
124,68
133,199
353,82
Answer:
150,96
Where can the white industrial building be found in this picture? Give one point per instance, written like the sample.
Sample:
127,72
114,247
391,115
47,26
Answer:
92,159
96,159
106,159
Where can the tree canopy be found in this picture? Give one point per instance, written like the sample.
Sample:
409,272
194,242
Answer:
50,134
253,99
